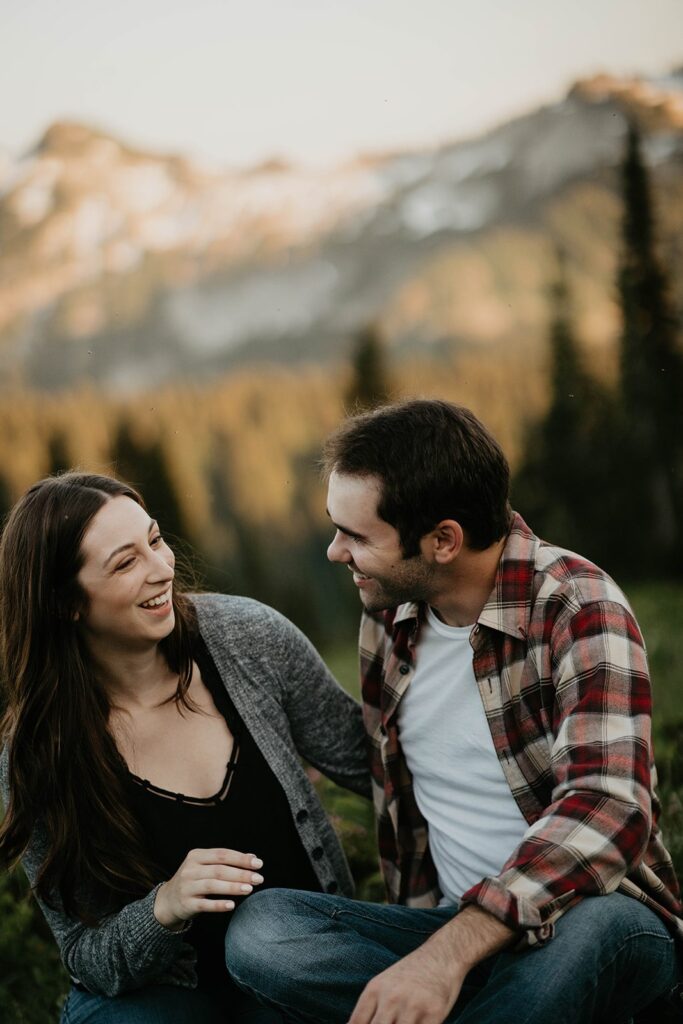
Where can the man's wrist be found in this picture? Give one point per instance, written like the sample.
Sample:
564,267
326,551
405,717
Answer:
470,937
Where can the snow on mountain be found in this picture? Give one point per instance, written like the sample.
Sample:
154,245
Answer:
156,265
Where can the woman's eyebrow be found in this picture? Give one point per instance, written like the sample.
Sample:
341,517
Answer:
124,547
117,551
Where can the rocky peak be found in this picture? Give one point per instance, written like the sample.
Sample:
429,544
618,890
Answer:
71,139
656,104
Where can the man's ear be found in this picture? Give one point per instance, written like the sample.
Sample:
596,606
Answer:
444,542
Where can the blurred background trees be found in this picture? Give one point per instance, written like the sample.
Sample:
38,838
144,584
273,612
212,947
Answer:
603,468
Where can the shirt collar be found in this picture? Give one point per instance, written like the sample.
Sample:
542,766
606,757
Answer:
508,607
407,611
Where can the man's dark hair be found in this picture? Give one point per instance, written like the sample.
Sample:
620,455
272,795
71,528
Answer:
434,461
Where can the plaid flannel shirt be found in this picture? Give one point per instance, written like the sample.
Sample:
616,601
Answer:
562,673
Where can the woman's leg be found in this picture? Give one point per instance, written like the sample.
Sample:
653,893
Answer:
610,957
154,1004
166,1004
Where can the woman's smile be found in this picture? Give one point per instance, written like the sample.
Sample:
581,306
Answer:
159,605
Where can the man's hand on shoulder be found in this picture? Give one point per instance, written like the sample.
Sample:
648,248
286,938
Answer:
423,987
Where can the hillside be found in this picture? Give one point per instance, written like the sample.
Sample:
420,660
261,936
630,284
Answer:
128,268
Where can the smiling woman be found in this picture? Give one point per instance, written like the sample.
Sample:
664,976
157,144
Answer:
127,586
146,733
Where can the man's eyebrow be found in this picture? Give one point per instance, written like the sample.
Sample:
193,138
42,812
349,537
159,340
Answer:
124,547
344,529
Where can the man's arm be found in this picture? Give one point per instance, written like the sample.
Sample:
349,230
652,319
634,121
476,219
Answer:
423,987
597,823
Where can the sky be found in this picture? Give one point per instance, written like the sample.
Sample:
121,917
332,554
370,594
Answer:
313,81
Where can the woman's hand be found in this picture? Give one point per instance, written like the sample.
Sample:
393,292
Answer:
205,873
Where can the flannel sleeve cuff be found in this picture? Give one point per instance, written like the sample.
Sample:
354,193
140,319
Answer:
533,922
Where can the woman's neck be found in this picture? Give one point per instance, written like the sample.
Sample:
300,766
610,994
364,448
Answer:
135,679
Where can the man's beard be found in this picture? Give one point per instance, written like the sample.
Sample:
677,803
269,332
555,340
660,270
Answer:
413,581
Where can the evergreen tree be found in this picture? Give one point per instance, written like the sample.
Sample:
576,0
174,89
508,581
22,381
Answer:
5,499
651,384
557,483
144,466
370,380
59,460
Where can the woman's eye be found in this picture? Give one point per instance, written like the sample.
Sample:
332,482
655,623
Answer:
125,565
155,541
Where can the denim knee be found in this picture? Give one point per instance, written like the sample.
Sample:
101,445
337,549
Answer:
257,926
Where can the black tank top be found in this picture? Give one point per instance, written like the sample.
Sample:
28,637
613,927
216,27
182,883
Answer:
250,813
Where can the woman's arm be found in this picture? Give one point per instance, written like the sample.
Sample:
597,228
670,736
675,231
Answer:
133,948
326,723
262,656
124,950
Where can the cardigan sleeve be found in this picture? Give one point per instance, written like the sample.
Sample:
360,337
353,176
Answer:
256,647
326,723
126,950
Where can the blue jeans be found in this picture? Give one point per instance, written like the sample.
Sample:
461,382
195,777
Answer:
164,1004
311,955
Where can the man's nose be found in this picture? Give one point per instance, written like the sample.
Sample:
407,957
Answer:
337,551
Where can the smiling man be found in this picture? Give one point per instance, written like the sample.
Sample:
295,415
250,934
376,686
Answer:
507,704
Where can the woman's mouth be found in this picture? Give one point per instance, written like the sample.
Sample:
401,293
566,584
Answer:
159,605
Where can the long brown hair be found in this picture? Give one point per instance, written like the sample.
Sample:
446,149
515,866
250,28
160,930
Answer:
65,770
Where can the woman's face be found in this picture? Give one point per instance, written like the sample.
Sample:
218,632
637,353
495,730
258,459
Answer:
127,577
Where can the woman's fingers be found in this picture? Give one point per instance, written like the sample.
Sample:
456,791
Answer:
232,858
213,906
198,871
218,873
217,887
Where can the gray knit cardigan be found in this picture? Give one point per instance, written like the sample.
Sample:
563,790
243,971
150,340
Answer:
293,708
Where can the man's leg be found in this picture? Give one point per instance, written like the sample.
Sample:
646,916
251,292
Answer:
610,957
311,956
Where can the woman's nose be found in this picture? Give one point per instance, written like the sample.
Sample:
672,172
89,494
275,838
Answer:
162,565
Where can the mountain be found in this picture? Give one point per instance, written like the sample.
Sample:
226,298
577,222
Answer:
127,268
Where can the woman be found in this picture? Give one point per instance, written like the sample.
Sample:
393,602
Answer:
151,768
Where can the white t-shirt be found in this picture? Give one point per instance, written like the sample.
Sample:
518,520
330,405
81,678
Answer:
474,821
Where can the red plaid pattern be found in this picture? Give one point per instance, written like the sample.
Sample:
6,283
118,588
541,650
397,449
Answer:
562,673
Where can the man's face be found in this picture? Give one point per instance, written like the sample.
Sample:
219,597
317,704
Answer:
371,548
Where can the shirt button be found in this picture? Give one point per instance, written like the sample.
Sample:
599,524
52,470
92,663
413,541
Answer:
301,816
332,887
404,670
317,853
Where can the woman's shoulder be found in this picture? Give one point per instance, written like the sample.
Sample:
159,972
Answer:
235,614
247,629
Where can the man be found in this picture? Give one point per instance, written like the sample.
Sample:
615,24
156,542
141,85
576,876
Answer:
507,704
